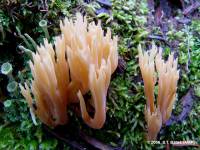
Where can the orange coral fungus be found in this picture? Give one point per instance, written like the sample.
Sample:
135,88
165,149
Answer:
167,84
154,122
92,58
86,44
98,83
50,81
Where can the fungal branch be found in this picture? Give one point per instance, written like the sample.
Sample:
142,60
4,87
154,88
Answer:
146,63
167,84
83,60
92,58
98,83
168,75
49,84
86,45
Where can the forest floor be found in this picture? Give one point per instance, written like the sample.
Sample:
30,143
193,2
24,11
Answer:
172,25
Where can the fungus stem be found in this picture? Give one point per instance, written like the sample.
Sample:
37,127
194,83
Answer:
43,25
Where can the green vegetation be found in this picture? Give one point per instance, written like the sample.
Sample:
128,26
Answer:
125,124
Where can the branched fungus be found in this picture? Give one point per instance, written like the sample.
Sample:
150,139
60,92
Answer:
50,81
91,56
86,44
167,84
98,83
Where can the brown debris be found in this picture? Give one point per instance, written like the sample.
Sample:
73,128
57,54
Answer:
187,103
191,8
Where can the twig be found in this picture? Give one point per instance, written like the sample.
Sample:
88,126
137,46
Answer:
80,136
29,5
191,8
44,6
95,143
157,37
73,144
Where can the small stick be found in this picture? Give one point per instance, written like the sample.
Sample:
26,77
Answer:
160,38
156,37
73,144
191,8
95,143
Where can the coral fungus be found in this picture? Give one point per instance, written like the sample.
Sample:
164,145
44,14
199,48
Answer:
91,56
86,44
50,82
168,76
98,83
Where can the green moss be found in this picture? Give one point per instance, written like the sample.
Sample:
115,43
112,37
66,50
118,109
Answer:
125,124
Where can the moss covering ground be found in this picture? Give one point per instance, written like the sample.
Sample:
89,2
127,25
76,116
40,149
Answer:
125,124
